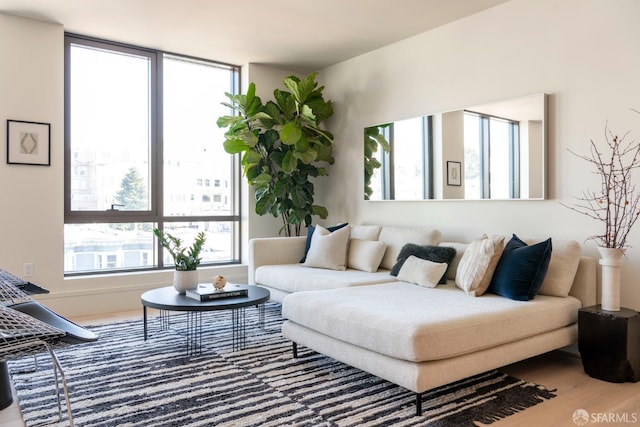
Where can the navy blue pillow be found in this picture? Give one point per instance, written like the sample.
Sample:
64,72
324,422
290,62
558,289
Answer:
311,229
432,253
521,269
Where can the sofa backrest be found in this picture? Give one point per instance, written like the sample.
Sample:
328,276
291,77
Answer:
395,237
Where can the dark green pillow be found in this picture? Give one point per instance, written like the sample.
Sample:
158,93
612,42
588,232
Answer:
521,269
431,253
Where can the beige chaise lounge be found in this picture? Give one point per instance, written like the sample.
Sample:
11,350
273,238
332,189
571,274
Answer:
421,338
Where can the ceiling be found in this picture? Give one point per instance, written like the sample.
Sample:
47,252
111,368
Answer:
302,35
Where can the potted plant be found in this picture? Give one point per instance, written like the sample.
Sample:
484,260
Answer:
282,148
616,205
186,260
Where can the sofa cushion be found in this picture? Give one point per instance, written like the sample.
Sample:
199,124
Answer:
418,324
296,277
365,232
439,254
521,269
477,265
453,265
310,230
395,237
422,271
562,268
328,249
365,255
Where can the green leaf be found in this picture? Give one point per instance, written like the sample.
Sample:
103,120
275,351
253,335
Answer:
235,146
290,133
289,163
320,211
306,156
263,178
251,157
301,89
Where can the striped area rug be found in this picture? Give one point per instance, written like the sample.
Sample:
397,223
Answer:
121,380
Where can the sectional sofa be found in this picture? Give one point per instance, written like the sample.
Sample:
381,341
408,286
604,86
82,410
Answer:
415,334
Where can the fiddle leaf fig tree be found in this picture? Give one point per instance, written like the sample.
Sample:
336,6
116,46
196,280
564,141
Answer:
282,146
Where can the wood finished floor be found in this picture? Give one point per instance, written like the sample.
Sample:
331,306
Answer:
555,370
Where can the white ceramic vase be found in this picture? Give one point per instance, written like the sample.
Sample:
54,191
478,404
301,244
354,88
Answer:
185,280
611,260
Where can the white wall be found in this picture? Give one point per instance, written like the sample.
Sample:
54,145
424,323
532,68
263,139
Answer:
32,212
584,53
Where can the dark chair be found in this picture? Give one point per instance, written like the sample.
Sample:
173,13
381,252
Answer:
22,335
13,293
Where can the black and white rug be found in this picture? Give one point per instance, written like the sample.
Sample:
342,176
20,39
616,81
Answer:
121,380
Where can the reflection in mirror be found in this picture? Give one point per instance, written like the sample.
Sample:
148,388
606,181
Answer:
498,149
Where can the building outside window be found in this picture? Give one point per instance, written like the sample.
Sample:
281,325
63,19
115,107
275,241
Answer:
140,135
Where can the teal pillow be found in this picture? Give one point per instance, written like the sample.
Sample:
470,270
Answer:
311,229
521,269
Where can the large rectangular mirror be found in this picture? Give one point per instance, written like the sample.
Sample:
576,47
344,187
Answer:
493,151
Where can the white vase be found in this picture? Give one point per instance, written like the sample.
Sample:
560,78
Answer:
611,260
185,280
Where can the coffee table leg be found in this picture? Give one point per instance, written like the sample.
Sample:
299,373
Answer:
194,333
144,317
238,328
261,316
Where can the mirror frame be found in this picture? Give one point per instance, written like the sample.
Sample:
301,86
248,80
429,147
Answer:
434,189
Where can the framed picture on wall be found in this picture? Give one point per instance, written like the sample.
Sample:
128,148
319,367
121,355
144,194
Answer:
28,143
454,173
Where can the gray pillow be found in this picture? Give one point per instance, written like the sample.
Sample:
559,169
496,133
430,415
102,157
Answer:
439,254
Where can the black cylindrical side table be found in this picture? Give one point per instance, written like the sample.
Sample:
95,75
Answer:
609,343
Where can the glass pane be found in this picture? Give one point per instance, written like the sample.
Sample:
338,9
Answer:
218,246
408,149
104,247
499,134
472,157
197,170
110,130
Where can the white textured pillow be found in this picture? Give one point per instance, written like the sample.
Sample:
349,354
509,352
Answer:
422,271
365,255
478,263
328,249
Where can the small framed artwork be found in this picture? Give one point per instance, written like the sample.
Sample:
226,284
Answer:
28,143
454,173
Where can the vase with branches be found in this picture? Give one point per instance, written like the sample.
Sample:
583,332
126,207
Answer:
616,205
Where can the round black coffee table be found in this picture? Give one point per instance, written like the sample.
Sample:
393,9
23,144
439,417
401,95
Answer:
167,299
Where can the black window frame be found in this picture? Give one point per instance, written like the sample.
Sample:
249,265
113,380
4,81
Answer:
155,213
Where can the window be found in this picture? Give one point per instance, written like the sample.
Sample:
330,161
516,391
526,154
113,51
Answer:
140,136
490,143
407,168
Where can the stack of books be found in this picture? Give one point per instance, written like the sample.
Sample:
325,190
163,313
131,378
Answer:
206,292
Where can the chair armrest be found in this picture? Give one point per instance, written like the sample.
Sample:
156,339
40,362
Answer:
273,251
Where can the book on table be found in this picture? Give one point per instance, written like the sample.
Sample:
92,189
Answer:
206,292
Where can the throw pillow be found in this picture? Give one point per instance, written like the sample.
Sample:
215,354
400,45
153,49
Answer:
310,231
453,265
365,232
328,249
521,269
440,254
562,268
421,271
477,265
365,255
